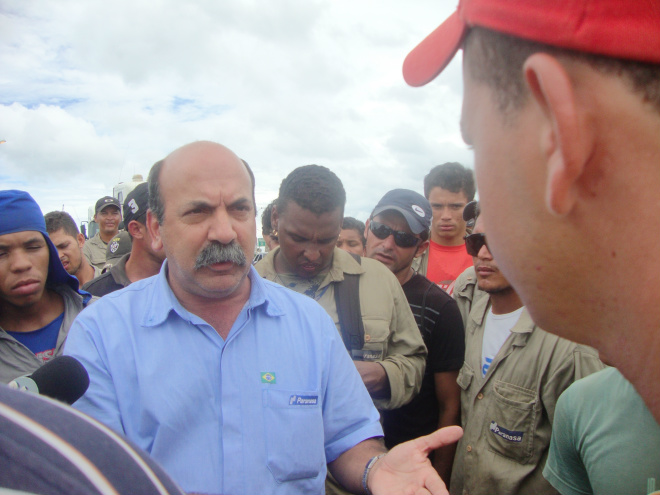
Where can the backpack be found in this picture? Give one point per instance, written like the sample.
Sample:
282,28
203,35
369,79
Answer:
347,301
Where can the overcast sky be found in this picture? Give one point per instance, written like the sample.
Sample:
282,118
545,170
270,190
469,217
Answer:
93,92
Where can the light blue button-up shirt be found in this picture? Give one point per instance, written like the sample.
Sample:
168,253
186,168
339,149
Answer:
260,412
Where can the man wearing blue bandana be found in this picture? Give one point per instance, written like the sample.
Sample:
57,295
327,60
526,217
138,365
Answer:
38,298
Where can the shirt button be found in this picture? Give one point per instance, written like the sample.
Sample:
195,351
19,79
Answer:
469,448
480,396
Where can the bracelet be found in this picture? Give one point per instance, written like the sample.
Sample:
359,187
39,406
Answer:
367,468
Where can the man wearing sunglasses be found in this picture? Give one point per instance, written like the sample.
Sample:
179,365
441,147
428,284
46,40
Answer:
397,233
513,374
142,261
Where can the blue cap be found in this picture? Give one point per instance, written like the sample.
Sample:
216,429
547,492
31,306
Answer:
20,213
414,207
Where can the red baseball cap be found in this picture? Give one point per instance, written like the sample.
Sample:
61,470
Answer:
625,29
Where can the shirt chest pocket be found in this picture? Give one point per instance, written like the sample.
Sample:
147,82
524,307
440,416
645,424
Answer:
294,431
464,380
511,420
376,336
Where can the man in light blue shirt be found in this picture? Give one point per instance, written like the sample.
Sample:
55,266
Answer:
234,384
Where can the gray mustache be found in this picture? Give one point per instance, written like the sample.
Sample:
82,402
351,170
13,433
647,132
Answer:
220,253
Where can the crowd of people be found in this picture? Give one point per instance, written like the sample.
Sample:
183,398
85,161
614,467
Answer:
504,346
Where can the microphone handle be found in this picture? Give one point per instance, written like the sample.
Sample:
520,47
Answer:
25,384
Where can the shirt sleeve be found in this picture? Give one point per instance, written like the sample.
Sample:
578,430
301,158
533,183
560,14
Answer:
99,401
349,415
564,468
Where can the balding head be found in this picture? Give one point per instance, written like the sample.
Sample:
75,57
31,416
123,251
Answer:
188,152
207,229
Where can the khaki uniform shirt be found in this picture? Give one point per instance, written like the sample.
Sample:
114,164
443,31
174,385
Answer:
421,263
390,332
94,250
507,415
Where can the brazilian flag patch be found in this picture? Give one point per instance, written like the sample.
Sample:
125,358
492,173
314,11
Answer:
268,377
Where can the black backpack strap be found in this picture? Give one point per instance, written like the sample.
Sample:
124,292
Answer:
347,301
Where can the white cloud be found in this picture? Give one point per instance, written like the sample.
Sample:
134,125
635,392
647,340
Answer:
93,92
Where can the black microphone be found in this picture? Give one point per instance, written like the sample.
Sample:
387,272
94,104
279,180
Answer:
63,378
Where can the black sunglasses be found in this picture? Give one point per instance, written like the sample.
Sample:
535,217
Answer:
474,243
401,239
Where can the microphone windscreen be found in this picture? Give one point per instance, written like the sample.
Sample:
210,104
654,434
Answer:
63,378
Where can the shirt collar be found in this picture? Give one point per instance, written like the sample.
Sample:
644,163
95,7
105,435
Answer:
343,262
163,301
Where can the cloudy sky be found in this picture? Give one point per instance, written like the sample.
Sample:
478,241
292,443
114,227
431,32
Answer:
93,92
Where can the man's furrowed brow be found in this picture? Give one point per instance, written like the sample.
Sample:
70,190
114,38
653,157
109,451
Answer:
241,202
195,204
38,238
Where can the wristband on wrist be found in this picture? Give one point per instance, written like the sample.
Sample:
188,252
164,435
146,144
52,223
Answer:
367,468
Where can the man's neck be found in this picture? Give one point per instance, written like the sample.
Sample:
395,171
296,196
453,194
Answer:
107,237
404,275
636,359
33,317
85,273
219,312
504,302
141,264
448,241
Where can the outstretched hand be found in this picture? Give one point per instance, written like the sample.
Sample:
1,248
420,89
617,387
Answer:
406,469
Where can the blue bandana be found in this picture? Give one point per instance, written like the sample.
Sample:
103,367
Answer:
19,212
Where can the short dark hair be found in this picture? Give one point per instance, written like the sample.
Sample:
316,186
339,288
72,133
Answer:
497,60
314,188
155,201
351,223
56,220
156,204
249,170
266,226
451,176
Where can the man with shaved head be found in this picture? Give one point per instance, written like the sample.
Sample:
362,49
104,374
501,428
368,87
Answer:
235,384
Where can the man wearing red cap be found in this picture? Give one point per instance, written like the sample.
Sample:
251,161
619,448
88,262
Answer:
561,101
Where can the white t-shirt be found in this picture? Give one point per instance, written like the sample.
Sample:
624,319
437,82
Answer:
497,330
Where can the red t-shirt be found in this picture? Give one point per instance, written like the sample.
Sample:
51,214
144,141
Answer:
446,263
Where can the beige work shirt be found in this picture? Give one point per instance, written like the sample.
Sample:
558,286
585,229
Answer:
507,415
95,250
389,325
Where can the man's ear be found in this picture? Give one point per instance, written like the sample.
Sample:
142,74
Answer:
366,228
274,216
566,140
421,248
81,240
154,231
134,229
